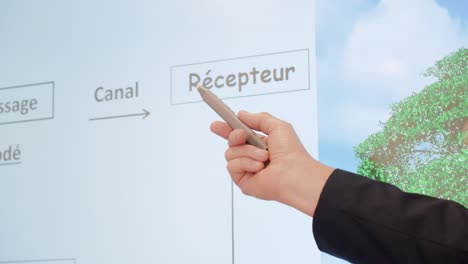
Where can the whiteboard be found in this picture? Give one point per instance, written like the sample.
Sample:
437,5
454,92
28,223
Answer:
106,155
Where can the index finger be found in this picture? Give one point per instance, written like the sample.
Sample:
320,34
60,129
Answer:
264,122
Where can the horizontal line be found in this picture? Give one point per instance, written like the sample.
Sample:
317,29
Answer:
10,163
238,58
244,96
26,85
29,120
114,117
37,260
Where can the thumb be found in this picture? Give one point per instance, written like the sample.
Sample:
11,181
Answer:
264,122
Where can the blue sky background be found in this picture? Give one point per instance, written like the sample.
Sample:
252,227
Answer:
370,54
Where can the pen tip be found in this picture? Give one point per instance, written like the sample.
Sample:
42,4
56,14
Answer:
201,89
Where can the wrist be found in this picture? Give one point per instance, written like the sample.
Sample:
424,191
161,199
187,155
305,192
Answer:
307,182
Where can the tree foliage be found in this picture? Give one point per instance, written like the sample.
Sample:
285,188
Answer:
423,146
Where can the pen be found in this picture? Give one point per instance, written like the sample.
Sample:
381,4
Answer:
230,117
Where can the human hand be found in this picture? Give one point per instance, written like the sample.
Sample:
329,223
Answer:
292,177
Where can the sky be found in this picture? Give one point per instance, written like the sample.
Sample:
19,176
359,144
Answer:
456,8
371,54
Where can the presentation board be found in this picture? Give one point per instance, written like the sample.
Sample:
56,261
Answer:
106,154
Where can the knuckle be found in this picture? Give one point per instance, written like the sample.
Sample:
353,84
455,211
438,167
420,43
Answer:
287,125
230,167
231,137
228,154
244,190
265,114
234,166
243,187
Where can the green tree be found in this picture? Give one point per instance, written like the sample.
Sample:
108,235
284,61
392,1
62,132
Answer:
423,146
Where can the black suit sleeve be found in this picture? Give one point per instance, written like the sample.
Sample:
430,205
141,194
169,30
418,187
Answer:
366,221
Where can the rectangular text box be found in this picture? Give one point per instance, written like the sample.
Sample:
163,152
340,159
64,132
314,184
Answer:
25,103
245,76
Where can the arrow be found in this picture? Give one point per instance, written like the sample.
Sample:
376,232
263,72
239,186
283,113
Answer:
144,114
10,163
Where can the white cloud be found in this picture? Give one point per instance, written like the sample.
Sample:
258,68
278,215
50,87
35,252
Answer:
334,20
384,56
391,46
